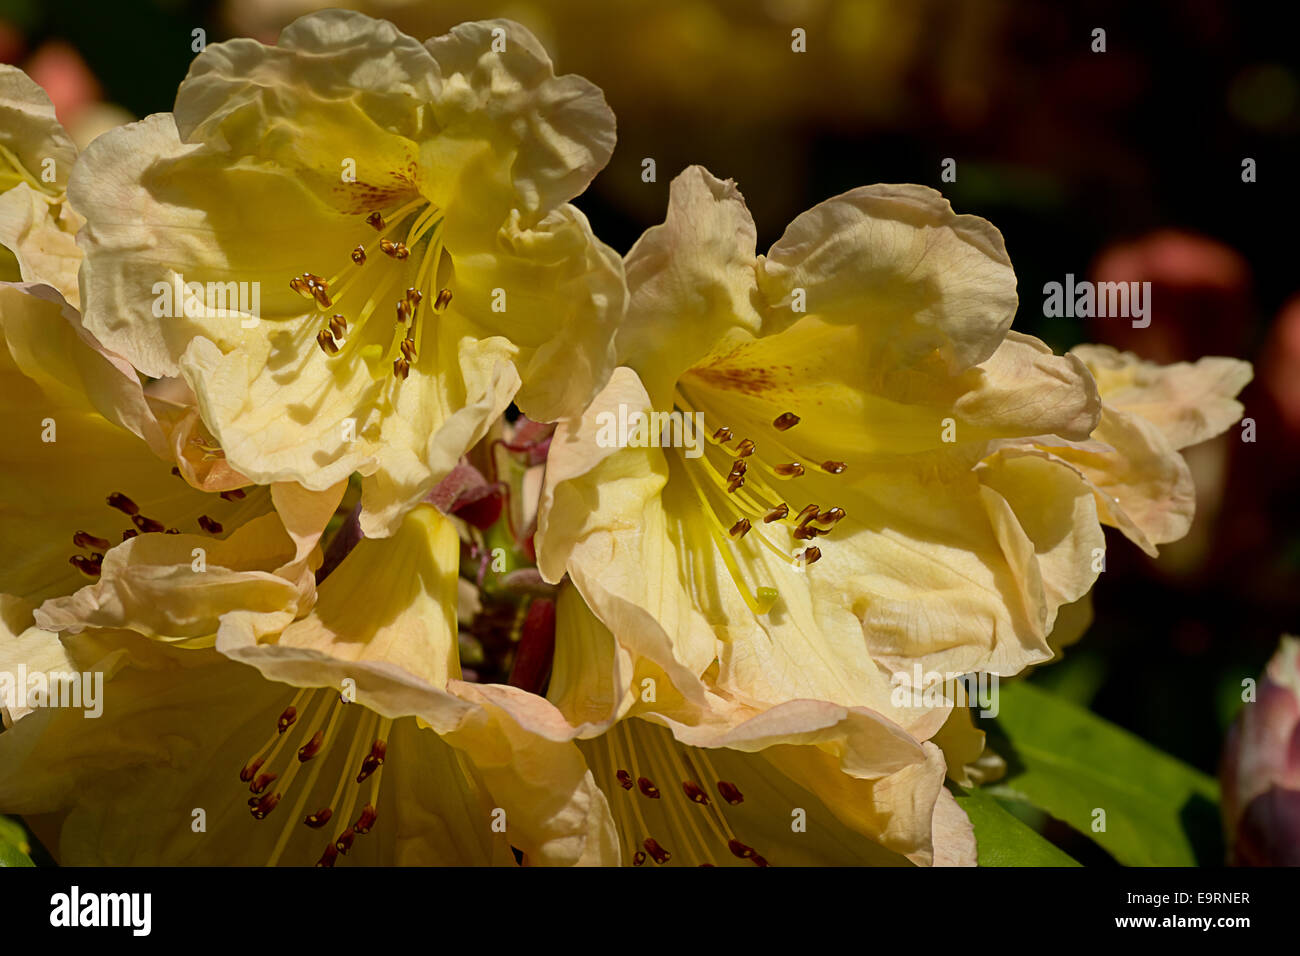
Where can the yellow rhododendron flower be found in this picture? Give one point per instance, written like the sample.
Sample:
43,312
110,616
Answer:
37,226
834,525
357,249
86,463
803,782
345,734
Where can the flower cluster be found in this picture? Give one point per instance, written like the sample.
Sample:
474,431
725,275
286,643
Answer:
308,453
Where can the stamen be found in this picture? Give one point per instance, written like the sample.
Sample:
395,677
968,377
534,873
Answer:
785,421
648,788
833,515
834,467
740,528
791,470
147,525
287,719
808,513
394,250
722,435
319,818
234,494
376,220
359,255
730,792
658,853
745,448
443,300
325,339
374,760
777,513
810,555
129,533
84,539
624,779
338,326
209,525
122,503
92,566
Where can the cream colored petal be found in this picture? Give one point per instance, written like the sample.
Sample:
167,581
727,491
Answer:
498,81
30,135
1188,402
42,236
690,281
896,259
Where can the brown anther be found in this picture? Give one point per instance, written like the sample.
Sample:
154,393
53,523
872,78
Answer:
745,448
739,849
344,841
831,516
408,349
730,792
209,525
312,747
122,503
807,514
657,853
234,494
810,555
403,311
338,326
638,858
647,787
738,468
740,528
147,525
319,818
326,341
376,220
286,719
401,368
322,296
265,806
785,421
395,250
313,279
443,300
374,760
777,513
177,472
722,435
790,470
758,860
366,820
695,792
261,782
250,769
414,296
302,286
806,532
91,566
735,484
834,467
328,857
84,539
129,533
624,779
359,255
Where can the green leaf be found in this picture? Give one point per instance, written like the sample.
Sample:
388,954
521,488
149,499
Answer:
13,844
1002,839
1069,762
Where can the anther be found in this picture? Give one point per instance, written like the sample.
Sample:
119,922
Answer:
790,470
807,514
408,349
376,220
833,515
806,532
624,779
250,769
395,250
648,788
374,760
745,448
735,484
84,539
209,525
328,857
722,435
319,818
147,525
730,792
785,421
403,311
265,806
302,286
638,858
834,467
286,719
234,494
658,853
359,255
91,565
344,841
401,368
312,747
810,555
325,339
261,782
777,513
172,531
740,528
322,296
739,849
695,792
366,820
129,533
338,326
443,300
122,503
414,296
738,468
